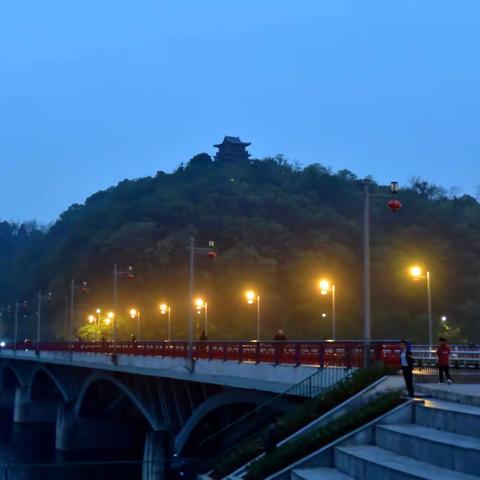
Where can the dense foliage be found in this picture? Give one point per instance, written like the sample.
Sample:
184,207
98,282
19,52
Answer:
314,440
297,418
277,228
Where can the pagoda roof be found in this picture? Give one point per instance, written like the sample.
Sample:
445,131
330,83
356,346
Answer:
232,140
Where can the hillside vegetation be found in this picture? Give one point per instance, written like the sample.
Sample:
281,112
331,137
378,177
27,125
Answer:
277,228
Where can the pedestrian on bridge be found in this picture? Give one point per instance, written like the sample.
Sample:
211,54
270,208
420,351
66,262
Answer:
280,339
406,363
443,354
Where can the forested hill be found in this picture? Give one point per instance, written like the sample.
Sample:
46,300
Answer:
277,228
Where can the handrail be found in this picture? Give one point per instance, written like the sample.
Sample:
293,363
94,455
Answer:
291,391
294,390
309,352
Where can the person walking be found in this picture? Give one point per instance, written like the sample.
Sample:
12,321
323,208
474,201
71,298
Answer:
406,363
280,336
271,436
279,344
443,354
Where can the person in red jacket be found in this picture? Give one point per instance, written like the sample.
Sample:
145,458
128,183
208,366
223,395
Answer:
443,354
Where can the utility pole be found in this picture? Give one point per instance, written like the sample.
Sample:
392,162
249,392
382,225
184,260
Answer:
210,252
117,273
367,332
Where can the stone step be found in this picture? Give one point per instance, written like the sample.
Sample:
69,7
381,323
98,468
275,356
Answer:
449,417
445,449
319,474
457,393
367,462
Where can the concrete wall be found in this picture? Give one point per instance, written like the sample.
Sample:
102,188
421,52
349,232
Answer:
262,376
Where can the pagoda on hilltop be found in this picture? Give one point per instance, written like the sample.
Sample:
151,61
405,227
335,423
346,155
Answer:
232,149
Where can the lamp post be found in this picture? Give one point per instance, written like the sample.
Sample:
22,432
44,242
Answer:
73,289
192,249
165,310
201,304
116,275
135,313
253,297
41,297
417,274
15,329
325,288
394,205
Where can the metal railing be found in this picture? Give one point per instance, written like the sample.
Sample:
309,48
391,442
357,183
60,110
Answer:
310,387
464,359
347,354
313,386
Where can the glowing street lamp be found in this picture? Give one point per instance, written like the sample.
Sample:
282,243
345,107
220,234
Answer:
327,287
134,313
201,304
165,310
91,318
109,318
253,297
416,272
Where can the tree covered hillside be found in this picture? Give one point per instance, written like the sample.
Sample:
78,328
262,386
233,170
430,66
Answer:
277,228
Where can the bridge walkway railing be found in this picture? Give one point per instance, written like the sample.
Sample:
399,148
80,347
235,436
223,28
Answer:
347,354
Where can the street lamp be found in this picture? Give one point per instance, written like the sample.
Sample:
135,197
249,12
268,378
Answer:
73,288
116,275
41,297
134,313
417,274
325,288
210,252
394,205
15,331
165,310
253,297
201,304
109,318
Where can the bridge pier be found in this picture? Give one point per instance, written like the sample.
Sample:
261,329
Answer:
77,433
7,398
154,456
37,410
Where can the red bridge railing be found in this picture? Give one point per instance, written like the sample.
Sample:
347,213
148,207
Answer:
346,354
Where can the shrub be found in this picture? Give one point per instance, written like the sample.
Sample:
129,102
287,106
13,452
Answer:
321,436
297,418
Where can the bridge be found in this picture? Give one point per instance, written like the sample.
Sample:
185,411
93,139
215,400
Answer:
112,395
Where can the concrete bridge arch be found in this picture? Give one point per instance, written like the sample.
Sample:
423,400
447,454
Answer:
134,396
224,399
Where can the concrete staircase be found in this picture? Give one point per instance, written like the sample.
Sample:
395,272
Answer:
442,442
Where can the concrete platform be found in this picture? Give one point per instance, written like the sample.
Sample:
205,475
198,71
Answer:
460,393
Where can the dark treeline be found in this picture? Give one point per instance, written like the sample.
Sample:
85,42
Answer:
277,228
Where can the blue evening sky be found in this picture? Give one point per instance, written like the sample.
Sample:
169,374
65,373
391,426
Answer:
92,92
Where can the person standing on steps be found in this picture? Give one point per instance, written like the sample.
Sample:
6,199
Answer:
443,354
406,362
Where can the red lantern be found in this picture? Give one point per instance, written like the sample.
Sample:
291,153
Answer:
394,205
211,254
